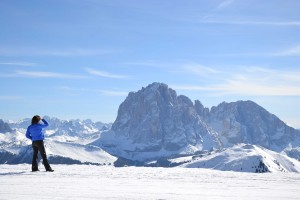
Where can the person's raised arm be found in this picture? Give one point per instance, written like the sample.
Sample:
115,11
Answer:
45,123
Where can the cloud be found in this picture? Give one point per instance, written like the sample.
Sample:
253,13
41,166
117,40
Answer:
253,81
251,88
19,63
234,87
105,74
255,23
224,4
106,92
293,51
113,93
75,52
147,63
9,98
200,69
29,51
43,74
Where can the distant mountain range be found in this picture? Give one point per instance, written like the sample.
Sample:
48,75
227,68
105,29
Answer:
156,127
4,127
66,142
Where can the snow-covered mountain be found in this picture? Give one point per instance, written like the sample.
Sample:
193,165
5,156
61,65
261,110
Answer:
4,127
80,131
247,122
154,123
66,142
157,127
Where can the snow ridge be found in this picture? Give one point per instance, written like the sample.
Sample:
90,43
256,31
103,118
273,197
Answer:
245,158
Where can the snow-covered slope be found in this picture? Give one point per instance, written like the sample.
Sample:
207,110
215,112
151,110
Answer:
58,151
244,158
13,140
293,152
85,182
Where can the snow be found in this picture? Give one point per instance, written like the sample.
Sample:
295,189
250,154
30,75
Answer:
107,182
15,139
245,158
82,153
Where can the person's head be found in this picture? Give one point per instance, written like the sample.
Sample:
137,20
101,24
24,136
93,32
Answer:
36,119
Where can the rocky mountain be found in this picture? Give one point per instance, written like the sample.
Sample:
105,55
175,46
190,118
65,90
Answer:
4,127
247,122
155,122
157,127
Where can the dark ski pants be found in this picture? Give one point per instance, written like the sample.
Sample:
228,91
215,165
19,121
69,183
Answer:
38,146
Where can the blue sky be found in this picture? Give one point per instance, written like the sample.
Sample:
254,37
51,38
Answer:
79,59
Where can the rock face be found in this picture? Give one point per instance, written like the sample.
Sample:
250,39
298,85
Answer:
247,122
156,119
4,127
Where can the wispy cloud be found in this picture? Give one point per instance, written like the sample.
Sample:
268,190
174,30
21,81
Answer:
28,51
146,63
45,74
105,92
113,93
293,51
105,74
75,52
238,87
224,4
200,69
254,81
30,64
9,98
255,23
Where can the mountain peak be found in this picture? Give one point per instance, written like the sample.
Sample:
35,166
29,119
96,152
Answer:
156,119
157,85
153,89
4,127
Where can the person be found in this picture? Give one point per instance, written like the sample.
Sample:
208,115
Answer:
35,134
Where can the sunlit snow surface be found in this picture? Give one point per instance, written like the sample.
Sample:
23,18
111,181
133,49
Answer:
107,182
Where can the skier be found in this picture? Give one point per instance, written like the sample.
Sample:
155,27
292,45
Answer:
35,134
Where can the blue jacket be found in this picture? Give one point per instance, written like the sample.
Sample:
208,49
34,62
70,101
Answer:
35,131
